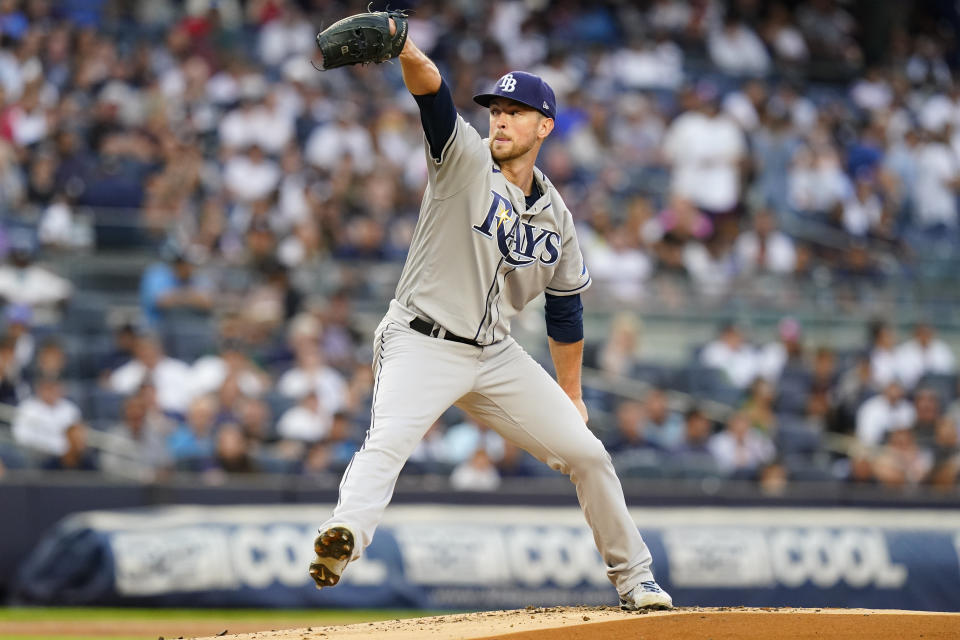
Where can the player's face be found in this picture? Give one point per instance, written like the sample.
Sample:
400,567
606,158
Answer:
515,129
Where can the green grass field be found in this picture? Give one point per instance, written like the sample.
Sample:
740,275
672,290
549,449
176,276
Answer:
87,623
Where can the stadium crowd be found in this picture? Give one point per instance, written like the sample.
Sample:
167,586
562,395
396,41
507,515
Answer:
704,147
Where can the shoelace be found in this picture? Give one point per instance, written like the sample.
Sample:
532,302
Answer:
650,585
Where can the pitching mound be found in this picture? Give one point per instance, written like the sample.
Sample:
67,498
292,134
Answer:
609,623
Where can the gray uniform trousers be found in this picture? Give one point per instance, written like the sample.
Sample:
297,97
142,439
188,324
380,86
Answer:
418,377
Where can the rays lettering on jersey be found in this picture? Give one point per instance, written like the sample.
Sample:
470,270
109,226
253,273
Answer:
520,244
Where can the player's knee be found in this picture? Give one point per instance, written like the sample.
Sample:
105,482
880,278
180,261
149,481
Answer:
588,457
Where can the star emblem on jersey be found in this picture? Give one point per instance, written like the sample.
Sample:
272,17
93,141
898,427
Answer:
521,243
503,215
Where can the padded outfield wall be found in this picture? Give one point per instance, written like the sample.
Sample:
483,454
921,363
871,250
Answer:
494,557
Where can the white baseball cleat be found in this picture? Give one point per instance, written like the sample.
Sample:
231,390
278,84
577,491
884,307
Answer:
334,548
646,595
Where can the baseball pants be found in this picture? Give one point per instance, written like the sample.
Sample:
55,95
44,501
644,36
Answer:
418,377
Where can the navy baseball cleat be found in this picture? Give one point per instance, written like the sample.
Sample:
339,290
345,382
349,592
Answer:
334,548
646,595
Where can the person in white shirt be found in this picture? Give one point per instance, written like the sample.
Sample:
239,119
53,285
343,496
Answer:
41,421
883,361
25,283
331,142
476,474
305,422
764,248
210,372
773,357
252,176
740,448
736,49
310,372
923,354
934,191
287,36
882,413
171,377
705,149
731,354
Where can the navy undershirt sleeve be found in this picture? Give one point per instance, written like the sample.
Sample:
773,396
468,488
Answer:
564,318
438,116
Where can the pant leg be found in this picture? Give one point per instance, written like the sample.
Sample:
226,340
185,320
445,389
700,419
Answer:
521,401
416,378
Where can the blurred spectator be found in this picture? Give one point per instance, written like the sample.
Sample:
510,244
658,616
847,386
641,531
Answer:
620,266
309,371
705,148
758,407
618,354
928,412
172,287
853,388
191,445
732,355
251,176
883,361
18,330
736,49
478,473
773,357
305,422
739,448
463,438
781,34
901,462
946,455
12,389
139,443
232,451
664,427
697,430
764,248
432,449
882,413
342,139
24,282
78,456
341,439
121,350
632,428
937,179
209,373
41,421
773,478
170,376
924,353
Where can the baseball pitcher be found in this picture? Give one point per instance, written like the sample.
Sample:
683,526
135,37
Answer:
493,234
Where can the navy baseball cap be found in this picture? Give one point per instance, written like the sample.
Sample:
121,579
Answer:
525,88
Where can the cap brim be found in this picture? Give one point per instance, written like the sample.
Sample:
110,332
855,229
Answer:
484,100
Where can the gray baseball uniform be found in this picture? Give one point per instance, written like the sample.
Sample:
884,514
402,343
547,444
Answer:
478,256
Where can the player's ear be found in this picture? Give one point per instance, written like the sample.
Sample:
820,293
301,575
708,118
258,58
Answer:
545,127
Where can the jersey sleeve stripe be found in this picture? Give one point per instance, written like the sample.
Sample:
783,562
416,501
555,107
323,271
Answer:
569,291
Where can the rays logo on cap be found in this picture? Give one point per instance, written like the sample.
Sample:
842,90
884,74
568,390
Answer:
508,83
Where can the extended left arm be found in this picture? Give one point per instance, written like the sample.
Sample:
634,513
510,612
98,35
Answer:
564,316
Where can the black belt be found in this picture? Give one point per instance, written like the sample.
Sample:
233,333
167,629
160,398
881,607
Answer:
430,329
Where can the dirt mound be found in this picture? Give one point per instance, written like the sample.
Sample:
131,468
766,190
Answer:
609,623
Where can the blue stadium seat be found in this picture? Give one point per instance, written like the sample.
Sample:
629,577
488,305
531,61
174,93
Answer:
793,437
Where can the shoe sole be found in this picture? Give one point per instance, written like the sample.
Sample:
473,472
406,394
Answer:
333,548
654,604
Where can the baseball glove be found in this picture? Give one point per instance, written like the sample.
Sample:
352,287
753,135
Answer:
362,39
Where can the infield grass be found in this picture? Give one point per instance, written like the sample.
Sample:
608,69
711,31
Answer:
98,623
